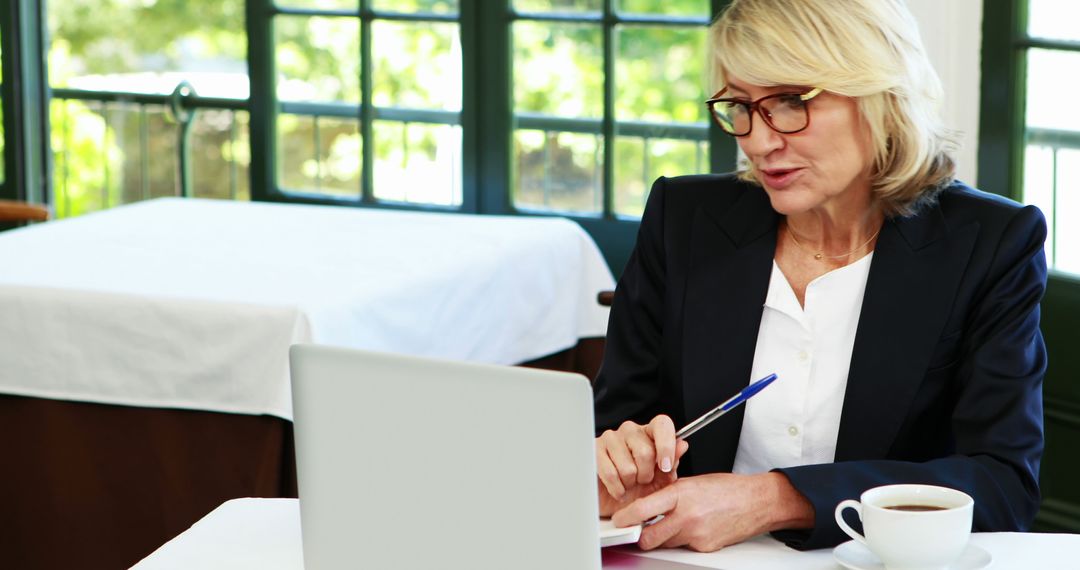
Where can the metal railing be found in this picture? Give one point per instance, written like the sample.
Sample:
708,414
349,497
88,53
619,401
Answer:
646,132
609,128
1056,141
180,108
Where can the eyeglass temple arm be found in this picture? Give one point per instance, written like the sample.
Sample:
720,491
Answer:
805,96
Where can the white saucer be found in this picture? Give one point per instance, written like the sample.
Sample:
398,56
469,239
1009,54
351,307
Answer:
855,556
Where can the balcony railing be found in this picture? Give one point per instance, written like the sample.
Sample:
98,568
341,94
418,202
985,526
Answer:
641,132
115,147
1052,180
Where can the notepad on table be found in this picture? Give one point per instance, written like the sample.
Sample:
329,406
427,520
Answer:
611,535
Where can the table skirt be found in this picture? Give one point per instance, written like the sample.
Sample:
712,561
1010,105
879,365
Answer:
101,486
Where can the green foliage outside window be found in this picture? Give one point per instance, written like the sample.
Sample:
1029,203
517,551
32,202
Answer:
659,78
106,154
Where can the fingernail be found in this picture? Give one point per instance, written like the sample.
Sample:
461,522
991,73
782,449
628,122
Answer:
665,465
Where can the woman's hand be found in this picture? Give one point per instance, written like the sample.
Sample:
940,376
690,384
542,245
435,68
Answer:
636,460
709,512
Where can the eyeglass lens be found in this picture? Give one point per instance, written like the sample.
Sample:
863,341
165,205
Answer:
785,113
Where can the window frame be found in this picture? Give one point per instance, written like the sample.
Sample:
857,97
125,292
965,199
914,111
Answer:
1003,134
1001,108
487,119
24,92
1002,142
487,137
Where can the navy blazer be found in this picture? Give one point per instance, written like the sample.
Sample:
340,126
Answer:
945,383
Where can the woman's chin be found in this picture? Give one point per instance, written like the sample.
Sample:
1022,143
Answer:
788,202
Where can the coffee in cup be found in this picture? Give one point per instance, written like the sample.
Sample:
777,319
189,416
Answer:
912,527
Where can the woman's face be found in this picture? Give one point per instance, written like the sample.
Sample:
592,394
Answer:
826,165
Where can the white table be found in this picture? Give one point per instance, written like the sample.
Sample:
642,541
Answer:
265,534
144,350
188,303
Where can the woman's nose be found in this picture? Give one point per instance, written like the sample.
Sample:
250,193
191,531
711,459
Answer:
761,140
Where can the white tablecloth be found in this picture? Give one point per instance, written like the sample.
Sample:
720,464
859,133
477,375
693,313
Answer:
265,534
191,303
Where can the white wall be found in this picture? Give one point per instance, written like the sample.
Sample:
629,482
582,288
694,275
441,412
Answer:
952,33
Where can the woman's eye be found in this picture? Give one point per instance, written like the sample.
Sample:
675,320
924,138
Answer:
791,101
738,110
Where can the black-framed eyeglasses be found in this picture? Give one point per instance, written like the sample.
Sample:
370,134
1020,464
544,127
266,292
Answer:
785,113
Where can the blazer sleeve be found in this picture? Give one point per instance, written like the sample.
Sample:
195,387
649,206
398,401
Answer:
628,385
997,420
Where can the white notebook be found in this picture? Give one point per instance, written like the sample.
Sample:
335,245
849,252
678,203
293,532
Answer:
611,535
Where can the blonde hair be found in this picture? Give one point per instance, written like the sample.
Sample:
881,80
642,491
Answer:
866,49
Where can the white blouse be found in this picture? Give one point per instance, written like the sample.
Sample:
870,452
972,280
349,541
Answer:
795,420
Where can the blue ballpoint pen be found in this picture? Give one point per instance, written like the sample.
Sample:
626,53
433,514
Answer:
723,408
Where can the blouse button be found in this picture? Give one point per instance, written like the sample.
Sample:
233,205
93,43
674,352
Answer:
793,431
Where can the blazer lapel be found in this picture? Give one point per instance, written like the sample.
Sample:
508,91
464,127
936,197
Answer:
730,264
917,266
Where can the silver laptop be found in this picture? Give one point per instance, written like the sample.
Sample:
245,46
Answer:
412,463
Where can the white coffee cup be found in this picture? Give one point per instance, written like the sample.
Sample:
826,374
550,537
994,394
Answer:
912,527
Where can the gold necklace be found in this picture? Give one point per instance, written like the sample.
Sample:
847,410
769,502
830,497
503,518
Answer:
820,255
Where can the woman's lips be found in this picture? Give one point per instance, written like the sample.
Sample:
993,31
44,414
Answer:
780,178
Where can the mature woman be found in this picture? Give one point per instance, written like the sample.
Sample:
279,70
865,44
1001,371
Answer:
899,308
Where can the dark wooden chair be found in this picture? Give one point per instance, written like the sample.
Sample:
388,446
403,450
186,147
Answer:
22,212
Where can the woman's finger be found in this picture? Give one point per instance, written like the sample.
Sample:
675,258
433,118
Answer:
619,452
681,447
648,507
644,458
641,448
667,533
607,473
662,432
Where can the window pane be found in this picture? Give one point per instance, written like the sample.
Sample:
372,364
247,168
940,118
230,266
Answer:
429,6
660,74
558,69
1049,82
558,172
417,65
1067,212
317,58
666,7
1039,187
639,161
149,47
320,4
106,155
1053,139
1055,19
558,5
417,163
125,157
220,155
319,155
